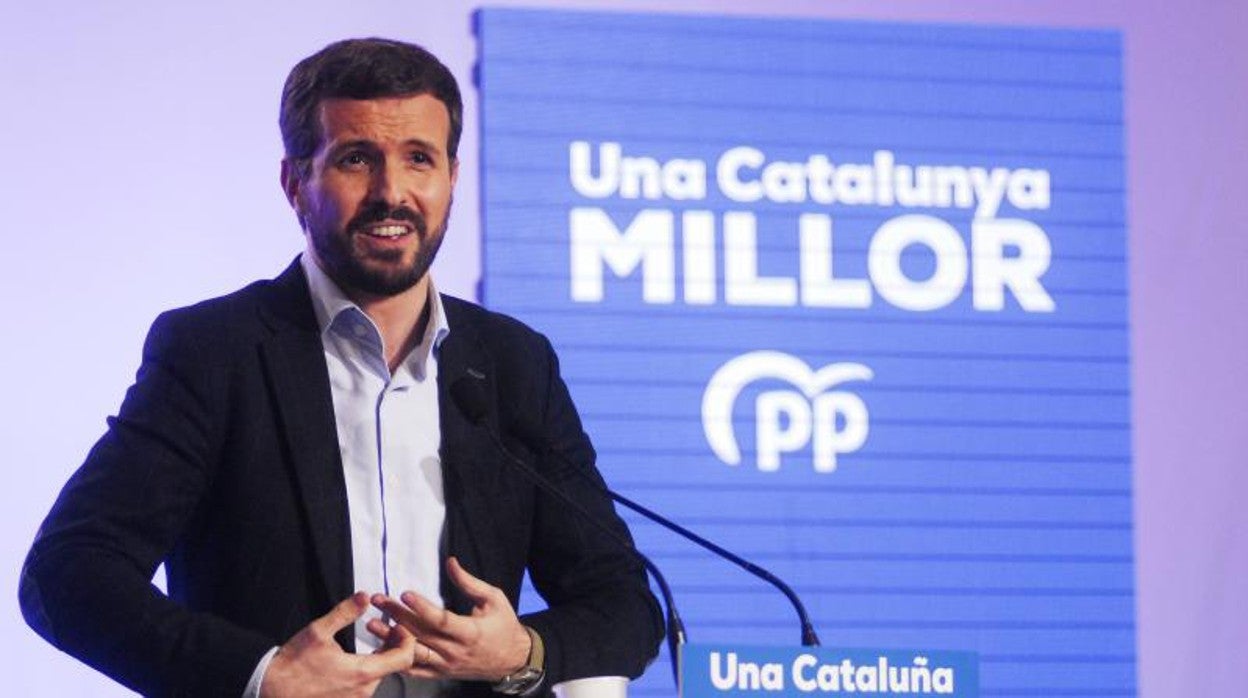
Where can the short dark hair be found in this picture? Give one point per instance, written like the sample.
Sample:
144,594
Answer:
362,69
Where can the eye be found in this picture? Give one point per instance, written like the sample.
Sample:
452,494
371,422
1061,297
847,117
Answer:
354,160
419,157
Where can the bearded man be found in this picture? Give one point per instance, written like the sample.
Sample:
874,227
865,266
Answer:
330,521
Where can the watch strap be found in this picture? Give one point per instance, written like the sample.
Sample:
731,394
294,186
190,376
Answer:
528,677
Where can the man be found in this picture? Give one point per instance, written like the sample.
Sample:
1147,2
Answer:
297,440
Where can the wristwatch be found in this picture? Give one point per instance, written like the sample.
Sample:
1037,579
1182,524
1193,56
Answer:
527,678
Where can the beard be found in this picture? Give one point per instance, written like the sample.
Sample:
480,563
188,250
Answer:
377,272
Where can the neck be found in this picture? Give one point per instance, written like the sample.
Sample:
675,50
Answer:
402,318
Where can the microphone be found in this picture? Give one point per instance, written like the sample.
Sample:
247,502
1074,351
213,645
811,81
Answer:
468,392
529,433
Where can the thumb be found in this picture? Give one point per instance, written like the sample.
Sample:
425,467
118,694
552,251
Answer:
340,616
479,591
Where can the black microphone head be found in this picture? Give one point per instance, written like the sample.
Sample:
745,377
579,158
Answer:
468,392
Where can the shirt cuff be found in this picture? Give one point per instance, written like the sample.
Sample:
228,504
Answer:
257,676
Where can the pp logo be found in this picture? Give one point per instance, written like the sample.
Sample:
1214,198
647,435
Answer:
787,420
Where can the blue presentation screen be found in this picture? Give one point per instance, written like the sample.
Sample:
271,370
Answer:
849,298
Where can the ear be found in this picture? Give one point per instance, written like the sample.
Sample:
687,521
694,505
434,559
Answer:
291,182
454,171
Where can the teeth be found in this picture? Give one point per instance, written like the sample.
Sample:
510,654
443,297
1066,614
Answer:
388,231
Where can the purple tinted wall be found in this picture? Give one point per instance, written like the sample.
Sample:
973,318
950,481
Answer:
141,173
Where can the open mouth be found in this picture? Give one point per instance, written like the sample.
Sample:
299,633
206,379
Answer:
387,231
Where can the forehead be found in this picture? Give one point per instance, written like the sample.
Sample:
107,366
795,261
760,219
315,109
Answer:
385,121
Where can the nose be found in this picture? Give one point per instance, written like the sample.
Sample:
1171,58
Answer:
387,185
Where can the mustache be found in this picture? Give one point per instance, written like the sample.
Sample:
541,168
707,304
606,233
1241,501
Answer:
380,213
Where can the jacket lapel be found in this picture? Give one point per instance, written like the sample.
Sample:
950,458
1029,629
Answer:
468,458
299,379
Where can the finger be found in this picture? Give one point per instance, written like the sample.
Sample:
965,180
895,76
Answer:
340,616
379,628
479,591
438,621
398,612
423,673
397,636
396,656
426,619
428,663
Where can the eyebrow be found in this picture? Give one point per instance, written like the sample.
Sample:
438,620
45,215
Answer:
365,143
427,145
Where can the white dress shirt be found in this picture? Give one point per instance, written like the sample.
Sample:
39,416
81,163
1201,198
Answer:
388,435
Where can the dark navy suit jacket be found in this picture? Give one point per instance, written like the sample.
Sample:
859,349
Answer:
223,463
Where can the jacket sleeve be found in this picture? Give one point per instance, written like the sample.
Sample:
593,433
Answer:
86,584
602,618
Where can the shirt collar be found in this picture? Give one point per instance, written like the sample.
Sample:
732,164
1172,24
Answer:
329,303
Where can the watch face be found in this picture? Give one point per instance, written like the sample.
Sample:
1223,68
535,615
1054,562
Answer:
520,681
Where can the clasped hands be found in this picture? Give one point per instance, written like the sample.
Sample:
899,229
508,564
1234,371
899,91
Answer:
424,641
